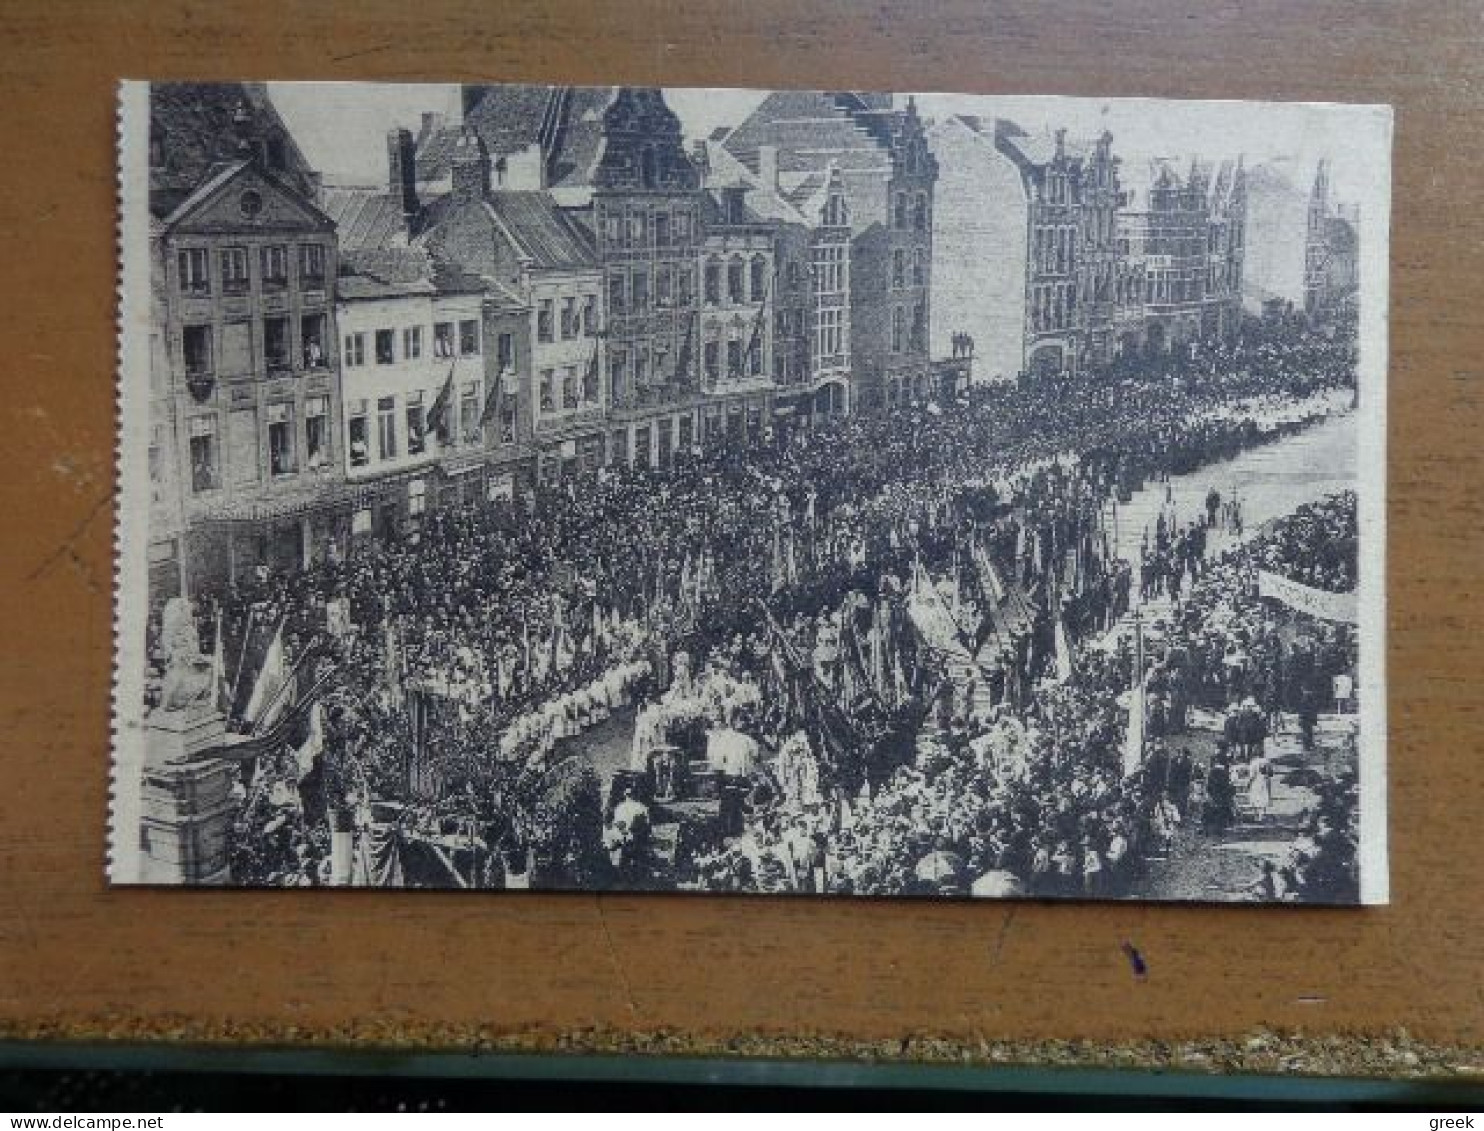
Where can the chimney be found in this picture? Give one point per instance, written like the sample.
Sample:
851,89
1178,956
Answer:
1061,142
316,188
401,172
432,123
767,166
470,167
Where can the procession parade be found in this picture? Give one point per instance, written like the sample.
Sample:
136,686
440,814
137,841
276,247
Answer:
1079,625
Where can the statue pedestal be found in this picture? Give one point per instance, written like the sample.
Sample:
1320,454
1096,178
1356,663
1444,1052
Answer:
187,805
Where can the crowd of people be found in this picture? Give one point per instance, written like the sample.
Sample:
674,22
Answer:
532,620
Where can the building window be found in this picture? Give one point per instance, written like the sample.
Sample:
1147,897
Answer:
590,316
386,428
661,229
734,357
755,356
469,412
682,227
616,303
275,265
311,264
276,350
316,433
641,367
195,271
639,290
569,319
412,342
685,290
417,497
544,314
442,339
713,359
417,424
920,213
758,280
355,350
196,348
281,459
203,454
570,391
468,337
899,216
359,443
613,228
919,326
713,282
919,268
898,330
735,285
663,289
386,351
505,352
636,229
234,270
547,393
899,268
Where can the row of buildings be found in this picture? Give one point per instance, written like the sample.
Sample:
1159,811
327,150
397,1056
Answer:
548,280
1057,264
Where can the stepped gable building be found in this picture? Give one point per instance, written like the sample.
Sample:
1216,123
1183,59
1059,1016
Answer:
887,177
245,407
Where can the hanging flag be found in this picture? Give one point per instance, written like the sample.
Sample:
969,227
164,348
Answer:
438,415
267,698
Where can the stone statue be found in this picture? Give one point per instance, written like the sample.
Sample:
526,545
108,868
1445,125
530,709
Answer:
187,672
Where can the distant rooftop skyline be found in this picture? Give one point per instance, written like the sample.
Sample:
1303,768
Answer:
342,127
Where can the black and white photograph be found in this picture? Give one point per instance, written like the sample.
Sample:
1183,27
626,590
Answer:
826,493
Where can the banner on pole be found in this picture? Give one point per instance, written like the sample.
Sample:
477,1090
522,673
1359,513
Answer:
1320,603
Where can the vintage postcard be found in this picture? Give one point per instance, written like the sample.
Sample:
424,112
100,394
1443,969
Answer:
820,492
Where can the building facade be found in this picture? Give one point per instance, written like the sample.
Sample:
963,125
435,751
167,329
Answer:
1186,236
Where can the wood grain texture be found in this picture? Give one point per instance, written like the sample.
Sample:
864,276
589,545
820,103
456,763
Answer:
77,958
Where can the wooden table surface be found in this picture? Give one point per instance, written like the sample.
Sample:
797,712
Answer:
709,973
